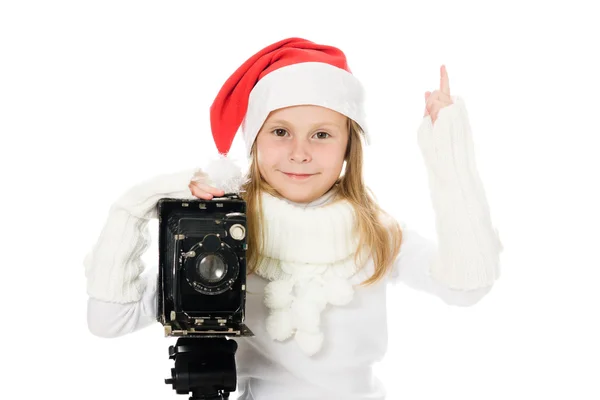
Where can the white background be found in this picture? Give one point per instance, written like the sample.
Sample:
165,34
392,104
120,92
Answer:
97,96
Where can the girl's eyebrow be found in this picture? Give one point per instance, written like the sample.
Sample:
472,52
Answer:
282,122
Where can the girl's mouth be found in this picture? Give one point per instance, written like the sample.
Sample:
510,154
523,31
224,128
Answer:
299,176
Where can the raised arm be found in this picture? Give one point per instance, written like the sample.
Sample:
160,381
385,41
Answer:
463,264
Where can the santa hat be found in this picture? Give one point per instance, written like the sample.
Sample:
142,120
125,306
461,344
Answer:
290,72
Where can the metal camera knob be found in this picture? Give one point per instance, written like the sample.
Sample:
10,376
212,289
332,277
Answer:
237,231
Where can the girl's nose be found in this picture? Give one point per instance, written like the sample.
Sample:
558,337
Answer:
300,152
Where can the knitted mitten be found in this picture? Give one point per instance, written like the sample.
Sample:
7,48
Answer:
113,265
468,244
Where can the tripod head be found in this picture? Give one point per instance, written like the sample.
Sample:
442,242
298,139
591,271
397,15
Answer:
203,366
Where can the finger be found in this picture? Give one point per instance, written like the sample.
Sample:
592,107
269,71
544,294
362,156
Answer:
444,81
432,97
205,191
197,192
206,187
439,95
200,193
435,107
210,189
437,101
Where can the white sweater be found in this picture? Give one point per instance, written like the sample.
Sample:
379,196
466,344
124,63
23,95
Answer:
325,351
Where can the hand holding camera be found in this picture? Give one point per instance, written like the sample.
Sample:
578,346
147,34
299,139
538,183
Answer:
201,189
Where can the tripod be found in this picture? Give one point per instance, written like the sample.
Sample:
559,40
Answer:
203,366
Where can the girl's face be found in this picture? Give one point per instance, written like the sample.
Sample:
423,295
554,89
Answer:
307,140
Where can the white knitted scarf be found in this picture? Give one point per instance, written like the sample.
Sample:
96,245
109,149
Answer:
308,257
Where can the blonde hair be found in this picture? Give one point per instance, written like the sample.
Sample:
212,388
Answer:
377,230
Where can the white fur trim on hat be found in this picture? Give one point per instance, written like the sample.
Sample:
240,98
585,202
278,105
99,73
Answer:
313,83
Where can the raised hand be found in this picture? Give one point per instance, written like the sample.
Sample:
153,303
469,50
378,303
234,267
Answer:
439,99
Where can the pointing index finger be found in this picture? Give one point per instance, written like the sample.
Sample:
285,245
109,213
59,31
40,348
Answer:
444,82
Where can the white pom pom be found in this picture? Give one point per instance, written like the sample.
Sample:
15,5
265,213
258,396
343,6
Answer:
225,174
314,292
279,325
339,291
278,294
306,315
309,343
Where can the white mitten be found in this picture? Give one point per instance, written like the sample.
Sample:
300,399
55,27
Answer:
114,264
140,200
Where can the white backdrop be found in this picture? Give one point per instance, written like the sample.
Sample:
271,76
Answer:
96,96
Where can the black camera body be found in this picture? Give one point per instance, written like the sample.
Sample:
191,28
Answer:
201,288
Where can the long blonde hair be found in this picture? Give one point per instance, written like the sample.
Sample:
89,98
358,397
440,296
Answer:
377,230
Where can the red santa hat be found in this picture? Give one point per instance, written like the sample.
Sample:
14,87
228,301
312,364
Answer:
290,72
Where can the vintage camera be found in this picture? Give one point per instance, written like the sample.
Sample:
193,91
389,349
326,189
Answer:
201,290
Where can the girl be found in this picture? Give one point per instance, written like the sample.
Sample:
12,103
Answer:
320,250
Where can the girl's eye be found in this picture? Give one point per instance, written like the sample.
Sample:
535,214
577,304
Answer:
321,136
282,132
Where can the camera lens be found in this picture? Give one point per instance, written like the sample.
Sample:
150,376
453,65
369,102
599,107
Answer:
214,266
211,268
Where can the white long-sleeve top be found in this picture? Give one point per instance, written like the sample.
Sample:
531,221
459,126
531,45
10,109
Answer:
459,269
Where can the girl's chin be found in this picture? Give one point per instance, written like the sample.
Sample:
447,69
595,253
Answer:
296,194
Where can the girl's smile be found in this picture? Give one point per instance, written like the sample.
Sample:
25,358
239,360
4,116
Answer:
299,177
